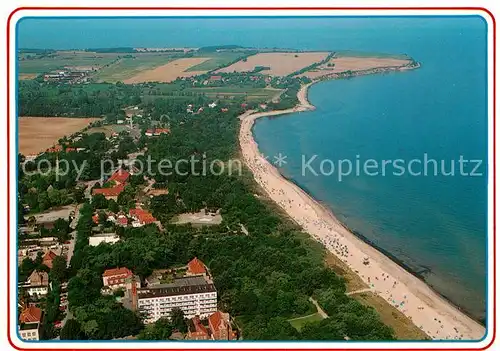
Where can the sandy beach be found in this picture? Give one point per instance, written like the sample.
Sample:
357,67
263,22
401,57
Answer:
438,318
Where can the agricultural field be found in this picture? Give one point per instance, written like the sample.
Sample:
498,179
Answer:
169,72
217,60
354,63
37,134
131,65
37,64
279,63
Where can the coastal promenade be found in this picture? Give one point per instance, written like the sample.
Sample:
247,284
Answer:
425,308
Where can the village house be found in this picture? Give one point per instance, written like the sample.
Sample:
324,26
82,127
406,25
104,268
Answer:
122,220
220,326
215,78
156,132
37,284
196,267
141,217
48,258
196,330
119,278
119,179
212,105
110,193
29,323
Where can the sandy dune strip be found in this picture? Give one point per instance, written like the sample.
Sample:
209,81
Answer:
280,63
428,311
168,72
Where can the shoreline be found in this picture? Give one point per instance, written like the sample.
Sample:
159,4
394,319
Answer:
401,288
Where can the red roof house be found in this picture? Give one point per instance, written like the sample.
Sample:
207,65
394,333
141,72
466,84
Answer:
122,220
215,78
197,331
120,176
48,258
220,326
31,314
195,267
116,276
142,216
95,219
56,148
109,192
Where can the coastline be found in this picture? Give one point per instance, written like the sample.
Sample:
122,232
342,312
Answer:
402,289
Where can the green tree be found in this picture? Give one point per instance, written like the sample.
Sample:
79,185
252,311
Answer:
58,270
177,319
72,330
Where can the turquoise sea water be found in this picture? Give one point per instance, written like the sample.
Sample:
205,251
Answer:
428,222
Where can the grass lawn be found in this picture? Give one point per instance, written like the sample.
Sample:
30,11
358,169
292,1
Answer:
403,327
298,323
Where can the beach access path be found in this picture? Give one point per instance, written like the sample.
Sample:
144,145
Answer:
437,317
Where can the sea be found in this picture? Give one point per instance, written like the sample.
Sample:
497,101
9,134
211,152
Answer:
432,219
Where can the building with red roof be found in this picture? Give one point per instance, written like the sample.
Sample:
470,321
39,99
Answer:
110,193
95,219
122,220
55,148
48,258
141,217
120,176
220,326
215,78
119,278
29,323
196,330
196,267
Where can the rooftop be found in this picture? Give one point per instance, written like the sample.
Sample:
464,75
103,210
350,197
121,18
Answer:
195,266
31,314
117,271
180,286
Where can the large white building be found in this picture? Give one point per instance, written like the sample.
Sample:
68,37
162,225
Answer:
109,238
195,295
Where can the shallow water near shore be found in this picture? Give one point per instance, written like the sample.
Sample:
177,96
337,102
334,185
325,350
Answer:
434,224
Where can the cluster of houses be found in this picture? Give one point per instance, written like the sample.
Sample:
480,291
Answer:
68,76
188,288
156,132
36,287
114,185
